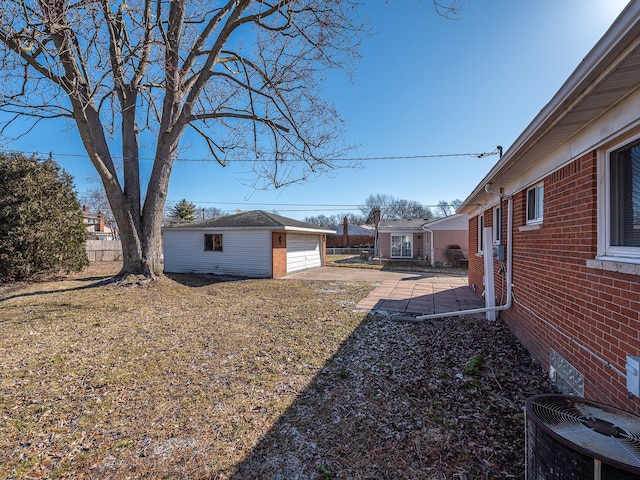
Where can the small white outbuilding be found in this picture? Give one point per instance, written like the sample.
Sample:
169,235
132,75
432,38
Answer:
254,244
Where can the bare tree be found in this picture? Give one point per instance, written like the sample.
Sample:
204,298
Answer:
96,200
352,218
241,74
334,221
451,10
401,208
393,208
210,213
445,209
379,201
321,221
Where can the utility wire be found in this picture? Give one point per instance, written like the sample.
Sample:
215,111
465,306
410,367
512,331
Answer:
344,159
263,204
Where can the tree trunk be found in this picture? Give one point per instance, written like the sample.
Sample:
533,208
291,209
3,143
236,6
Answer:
254,102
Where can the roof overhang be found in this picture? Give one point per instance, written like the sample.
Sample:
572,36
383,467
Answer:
308,230
401,229
452,222
608,74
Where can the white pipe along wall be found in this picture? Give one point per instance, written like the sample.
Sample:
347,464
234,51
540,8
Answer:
473,311
432,250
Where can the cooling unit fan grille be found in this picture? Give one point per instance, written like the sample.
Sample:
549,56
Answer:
598,431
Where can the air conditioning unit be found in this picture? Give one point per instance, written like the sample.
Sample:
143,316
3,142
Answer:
572,438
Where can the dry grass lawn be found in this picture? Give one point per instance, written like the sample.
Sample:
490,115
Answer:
195,377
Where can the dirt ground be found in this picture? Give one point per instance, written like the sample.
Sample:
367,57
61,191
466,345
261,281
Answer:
202,377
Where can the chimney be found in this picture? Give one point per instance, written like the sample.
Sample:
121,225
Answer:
345,232
100,222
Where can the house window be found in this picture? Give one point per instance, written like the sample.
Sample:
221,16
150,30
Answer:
624,196
480,233
619,208
497,225
401,246
212,242
535,203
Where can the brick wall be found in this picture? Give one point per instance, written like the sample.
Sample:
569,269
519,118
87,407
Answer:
443,238
384,245
418,245
586,315
279,254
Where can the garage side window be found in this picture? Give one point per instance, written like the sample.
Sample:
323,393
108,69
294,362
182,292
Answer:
625,196
212,242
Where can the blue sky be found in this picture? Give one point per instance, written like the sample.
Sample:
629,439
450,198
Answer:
425,86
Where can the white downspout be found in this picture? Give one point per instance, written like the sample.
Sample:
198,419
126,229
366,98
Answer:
432,250
507,305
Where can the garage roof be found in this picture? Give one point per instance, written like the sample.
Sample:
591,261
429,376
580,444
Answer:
253,219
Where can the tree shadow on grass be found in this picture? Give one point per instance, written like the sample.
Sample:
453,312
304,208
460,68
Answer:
202,279
97,282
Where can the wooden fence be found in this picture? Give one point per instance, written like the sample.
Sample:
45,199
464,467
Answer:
104,250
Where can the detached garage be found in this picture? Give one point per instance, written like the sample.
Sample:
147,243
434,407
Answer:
249,244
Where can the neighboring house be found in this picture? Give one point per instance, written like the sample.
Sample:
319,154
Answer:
402,239
95,225
563,204
412,239
249,244
443,235
351,236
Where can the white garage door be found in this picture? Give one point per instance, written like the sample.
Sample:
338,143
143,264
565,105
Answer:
303,251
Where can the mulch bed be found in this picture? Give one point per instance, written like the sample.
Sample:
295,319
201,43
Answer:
440,400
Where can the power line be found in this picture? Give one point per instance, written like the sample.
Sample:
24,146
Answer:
226,161
264,204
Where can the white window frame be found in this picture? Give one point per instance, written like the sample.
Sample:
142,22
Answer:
606,251
538,208
481,234
410,235
214,242
497,225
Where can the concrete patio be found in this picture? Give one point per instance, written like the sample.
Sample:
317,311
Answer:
421,298
410,293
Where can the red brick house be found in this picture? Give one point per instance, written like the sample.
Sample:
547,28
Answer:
557,219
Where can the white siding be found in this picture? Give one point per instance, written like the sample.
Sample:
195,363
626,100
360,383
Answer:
244,253
303,252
